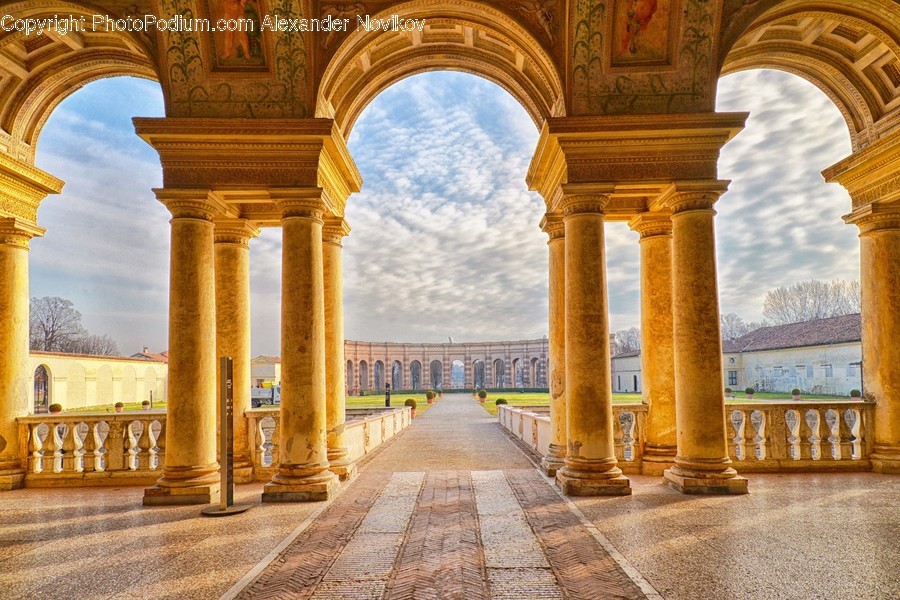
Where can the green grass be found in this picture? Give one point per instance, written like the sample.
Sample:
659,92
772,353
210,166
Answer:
396,400
514,399
109,408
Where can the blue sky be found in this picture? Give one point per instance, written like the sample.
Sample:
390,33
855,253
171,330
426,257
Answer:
445,237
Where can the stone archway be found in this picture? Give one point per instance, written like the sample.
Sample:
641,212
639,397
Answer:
42,398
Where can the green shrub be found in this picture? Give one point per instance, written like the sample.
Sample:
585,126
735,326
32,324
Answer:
749,390
56,407
482,393
120,405
795,392
410,403
728,391
500,401
429,394
855,394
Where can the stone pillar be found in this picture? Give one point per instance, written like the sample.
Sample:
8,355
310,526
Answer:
879,253
657,341
555,458
334,231
232,252
590,464
702,465
302,473
15,375
191,473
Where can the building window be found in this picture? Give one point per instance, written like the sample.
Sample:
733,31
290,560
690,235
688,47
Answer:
732,377
851,370
778,372
635,383
829,371
799,370
809,370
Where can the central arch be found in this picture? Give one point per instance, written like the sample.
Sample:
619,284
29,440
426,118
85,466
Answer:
464,36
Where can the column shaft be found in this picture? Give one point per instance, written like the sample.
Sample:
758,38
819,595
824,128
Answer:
702,465
303,459
232,256
191,473
590,464
657,341
880,287
15,376
334,349
556,455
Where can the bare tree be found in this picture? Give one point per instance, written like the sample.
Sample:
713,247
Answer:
733,326
808,300
53,323
55,326
627,340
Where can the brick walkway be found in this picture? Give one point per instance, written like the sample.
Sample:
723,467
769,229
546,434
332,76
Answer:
450,509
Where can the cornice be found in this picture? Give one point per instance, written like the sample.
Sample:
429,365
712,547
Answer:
874,218
870,175
335,229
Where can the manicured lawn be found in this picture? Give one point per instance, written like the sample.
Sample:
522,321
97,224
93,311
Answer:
514,399
109,408
396,400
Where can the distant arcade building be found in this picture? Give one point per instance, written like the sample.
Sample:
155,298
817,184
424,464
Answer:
483,365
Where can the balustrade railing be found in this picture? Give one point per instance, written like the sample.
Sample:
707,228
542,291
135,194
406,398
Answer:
86,448
763,437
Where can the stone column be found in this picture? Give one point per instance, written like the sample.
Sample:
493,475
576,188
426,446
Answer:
657,341
232,252
302,473
15,375
334,231
191,473
590,464
553,226
879,252
702,465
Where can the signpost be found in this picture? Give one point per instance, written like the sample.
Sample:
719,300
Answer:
226,444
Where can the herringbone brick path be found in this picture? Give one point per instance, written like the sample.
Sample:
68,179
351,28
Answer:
490,528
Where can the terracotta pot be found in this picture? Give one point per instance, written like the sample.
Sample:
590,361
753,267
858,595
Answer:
795,396
749,396
413,412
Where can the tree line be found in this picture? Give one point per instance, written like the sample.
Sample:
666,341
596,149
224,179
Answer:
55,326
803,301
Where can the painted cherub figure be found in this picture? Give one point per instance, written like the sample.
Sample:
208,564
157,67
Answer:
234,10
640,13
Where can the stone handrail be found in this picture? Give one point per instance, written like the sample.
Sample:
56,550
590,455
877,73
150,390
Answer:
362,434
93,448
763,437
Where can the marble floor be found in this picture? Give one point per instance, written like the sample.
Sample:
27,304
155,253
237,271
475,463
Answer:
455,477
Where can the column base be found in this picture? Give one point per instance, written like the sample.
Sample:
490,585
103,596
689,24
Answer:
12,479
176,496
320,487
655,460
599,485
885,459
243,473
551,464
705,485
340,465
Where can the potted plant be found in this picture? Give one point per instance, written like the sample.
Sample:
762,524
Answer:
729,393
412,406
854,395
145,405
749,391
55,408
795,394
119,407
429,396
482,396
500,401
440,393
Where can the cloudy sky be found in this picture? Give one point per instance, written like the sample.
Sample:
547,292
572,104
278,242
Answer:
445,239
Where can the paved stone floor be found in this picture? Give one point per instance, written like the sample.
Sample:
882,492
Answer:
452,508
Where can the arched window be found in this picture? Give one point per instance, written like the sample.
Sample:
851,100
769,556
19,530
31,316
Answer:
415,375
397,375
379,375
363,375
437,374
478,370
41,390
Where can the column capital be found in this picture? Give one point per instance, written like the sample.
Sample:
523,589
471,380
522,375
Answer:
583,204
875,217
190,203
335,230
552,224
234,231
687,196
652,224
18,232
23,187
870,175
300,203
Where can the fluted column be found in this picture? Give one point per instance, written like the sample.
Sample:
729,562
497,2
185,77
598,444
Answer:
553,226
879,253
702,465
657,341
302,473
191,473
333,233
232,255
15,376
590,464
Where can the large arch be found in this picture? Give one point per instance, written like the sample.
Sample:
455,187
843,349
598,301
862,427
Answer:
460,36
38,72
850,49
